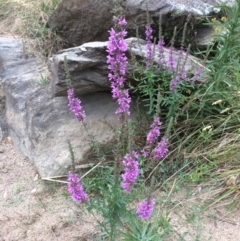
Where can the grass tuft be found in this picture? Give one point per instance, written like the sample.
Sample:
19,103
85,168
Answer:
27,19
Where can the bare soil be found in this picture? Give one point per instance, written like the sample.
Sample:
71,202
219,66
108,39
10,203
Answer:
32,210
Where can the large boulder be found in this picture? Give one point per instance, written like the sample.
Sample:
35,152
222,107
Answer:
88,69
83,21
41,125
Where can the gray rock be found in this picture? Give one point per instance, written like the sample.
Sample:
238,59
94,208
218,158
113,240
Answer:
39,124
204,37
88,68
83,21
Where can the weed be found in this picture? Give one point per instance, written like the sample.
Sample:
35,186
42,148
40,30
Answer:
43,81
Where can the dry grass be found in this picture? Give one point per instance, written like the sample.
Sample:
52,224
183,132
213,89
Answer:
27,19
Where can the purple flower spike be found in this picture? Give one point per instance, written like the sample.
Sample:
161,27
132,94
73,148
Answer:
75,107
122,21
76,189
149,55
124,103
131,171
154,133
117,64
145,208
161,61
145,153
171,60
161,150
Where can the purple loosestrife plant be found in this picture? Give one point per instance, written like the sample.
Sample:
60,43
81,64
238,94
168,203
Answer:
161,60
75,107
75,188
197,74
154,133
145,208
131,171
149,46
180,73
117,63
171,60
160,150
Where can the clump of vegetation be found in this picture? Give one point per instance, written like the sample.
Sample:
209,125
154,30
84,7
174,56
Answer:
196,140
199,110
28,19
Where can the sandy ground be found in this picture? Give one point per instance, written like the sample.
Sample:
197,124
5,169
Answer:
33,210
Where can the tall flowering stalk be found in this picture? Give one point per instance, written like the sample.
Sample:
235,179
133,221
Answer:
171,60
154,132
161,148
180,73
131,171
161,60
145,208
149,46
117,63
75,107
75,189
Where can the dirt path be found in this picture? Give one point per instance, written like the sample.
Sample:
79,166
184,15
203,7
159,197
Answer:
32,210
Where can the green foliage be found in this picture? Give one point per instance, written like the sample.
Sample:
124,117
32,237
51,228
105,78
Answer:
112,206
205,116
98,180
139,230
225,65
152,86
196,117
43,81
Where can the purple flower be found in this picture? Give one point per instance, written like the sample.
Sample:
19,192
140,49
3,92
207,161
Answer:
154,133
149,55
131,171
117,64
75,107
197,74
124,103
145,153
175,82
76,189
121,21
180,71
161,150
171,60
145,208
161,61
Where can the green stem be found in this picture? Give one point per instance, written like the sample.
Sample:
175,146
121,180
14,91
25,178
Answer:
96,147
